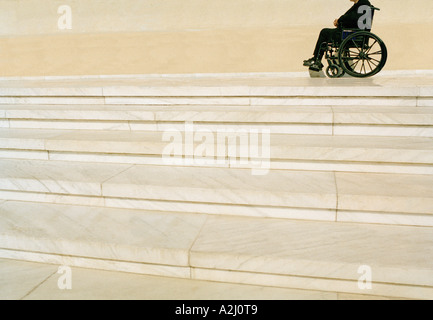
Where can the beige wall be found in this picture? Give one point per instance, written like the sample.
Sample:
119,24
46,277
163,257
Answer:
193,36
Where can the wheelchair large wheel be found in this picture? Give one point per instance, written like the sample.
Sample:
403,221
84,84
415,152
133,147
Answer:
362,54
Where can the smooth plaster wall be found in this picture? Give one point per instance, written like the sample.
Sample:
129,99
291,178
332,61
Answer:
193,36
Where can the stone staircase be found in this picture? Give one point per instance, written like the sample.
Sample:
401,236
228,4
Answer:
341,181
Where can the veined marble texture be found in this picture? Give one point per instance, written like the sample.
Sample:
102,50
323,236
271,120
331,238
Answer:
350,148
242,114
77,112
100,264
113,234
47,91
52,100
56,177
310,283
385,192
176,101
194,189
212,87
382,115
324,256
425,102
319,249
336,101
224,209
389,131
219,185
72,125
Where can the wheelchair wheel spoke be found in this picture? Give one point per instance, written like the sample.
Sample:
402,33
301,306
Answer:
354,42
363,66
371,69
375,53
375,41
370,61
355,65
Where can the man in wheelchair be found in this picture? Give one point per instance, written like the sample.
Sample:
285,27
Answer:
348,20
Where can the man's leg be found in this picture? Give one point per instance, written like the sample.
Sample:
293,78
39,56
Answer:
326,36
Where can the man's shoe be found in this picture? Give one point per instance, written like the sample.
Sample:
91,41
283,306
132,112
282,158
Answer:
316,66
309,62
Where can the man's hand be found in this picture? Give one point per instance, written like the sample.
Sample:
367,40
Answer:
336,22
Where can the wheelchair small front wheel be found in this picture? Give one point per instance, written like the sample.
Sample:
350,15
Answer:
362,54
334,71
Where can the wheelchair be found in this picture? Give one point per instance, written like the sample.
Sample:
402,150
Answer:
358,53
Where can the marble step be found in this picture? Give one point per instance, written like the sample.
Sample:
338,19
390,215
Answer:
328,120
307,195
324,256
412,155
248,90
214,85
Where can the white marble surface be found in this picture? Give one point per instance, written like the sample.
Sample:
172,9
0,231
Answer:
25,139
52,100
67,199
323,256
281,193
102,233
24,154
99,264
382,115
224,209
30,275
56,177
72,125
344,287
228,186
316,249
385,192
412,155
425,102
176,101
387,131
108,285
352,148
335,101
77,112
402,218
213,85
4,123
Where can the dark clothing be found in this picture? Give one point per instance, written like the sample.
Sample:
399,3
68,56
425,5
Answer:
326,35
347,20
351,17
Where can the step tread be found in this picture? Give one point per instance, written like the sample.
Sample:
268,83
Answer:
399,193
262,246
97,232
217,86
378,149
52,136
231,114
